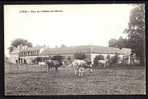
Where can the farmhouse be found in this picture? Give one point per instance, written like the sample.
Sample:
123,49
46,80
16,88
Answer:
29,54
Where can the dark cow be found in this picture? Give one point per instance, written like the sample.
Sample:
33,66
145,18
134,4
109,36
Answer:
53,64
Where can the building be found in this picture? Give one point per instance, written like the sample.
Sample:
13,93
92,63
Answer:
14,55
29,54
24,54
90,51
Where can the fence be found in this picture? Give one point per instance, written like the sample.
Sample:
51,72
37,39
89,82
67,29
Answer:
17,68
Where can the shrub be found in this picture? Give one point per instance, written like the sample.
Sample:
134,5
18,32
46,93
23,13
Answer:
115,59
98,57
79,56
57,57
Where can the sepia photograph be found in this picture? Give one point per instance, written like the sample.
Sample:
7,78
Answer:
74,49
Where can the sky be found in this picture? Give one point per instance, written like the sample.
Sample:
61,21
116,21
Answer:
79,24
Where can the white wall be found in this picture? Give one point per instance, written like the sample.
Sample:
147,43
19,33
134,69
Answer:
13,57
105,56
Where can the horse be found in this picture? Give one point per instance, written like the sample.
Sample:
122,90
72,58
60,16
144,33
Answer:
53,64
80,66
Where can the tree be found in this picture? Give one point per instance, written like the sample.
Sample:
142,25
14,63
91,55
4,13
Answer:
97,58
113,43
11,49
114,59
59,58
120,43
136,31
79,56
18,42
63,45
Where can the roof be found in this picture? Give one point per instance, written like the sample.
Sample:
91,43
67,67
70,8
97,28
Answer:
30,49
65,50
85,49
110,50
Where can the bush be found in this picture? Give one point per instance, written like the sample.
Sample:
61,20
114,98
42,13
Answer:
115,59
57,57
96,61
79,56
98,57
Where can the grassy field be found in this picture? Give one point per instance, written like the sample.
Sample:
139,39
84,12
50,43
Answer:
109,81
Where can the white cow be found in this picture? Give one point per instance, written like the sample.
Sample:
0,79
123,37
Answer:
80,66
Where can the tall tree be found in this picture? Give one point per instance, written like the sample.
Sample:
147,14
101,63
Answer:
136,31
19,41
15,43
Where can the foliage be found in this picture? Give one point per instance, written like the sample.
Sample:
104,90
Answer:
98,57
37,59
112,43
95,61
114,59
79,56
136,31
58,58
11,49
15,43
120,43
63,45
18,42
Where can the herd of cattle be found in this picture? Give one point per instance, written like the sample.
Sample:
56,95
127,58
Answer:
79,66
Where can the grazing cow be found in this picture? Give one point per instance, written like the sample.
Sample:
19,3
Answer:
53,64
80,66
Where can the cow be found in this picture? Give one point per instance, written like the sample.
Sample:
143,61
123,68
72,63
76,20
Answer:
53,64
80,66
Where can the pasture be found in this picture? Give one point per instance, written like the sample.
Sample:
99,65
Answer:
103,81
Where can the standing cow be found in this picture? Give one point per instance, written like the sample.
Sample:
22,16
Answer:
53,64
80,66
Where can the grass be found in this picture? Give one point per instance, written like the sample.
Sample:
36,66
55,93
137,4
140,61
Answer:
109,81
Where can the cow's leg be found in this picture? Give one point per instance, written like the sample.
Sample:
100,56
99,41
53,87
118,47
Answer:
56,68
81,71
48,68
75,69
52,67
104,65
